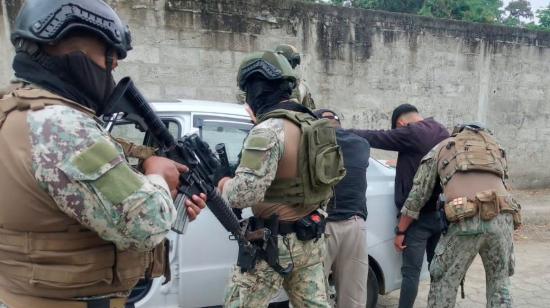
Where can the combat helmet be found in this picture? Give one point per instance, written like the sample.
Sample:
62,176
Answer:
290,53
475,126
268,64
49,21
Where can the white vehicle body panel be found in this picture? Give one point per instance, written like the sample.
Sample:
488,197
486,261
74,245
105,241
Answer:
202,258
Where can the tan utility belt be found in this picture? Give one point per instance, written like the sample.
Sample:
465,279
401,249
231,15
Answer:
488,204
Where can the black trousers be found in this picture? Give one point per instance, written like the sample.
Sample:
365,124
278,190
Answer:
422,236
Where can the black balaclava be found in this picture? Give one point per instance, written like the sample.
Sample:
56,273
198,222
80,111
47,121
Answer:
74,76
262,94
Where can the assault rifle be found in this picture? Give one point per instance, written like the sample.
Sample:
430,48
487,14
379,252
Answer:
191,151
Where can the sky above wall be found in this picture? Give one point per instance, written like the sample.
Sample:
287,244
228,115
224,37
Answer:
535,5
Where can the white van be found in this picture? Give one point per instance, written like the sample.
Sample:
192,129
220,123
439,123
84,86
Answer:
202,258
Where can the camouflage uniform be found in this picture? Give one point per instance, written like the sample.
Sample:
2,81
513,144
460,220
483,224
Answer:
303,94
84,181
122,206
463,241
306,284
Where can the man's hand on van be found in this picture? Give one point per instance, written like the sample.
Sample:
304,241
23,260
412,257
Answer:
399,242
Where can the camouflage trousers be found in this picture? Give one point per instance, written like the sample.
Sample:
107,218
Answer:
456,251
305,286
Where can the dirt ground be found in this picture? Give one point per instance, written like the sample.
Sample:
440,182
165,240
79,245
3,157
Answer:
531,281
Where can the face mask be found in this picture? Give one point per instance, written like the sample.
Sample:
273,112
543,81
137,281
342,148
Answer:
261,94
95,83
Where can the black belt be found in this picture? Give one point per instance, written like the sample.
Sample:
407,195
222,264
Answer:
103,303
287,227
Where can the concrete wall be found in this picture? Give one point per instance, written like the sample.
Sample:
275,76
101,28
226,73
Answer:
362,63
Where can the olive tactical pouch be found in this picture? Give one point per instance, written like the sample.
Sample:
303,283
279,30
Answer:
320,162
487,204
459,209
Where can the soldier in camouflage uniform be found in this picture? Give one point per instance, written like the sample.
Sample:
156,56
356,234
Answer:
78,226
471,168
269,157
301,92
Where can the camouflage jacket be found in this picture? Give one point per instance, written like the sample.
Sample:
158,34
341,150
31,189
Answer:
258,165
87,175
423,184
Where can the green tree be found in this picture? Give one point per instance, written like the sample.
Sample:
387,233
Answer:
402,6
486,11
544,17
519,9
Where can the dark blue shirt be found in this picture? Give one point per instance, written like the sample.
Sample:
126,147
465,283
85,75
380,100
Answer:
349,194
412,142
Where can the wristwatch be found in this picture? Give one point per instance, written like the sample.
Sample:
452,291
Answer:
399,232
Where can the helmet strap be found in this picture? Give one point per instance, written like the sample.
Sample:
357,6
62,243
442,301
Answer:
34,51
108,80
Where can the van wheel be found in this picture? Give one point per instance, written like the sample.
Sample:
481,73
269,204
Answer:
372,289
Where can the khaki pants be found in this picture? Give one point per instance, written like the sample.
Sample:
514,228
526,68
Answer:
348,258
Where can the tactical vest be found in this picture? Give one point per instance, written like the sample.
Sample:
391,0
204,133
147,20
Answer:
471,150
44,252
472,168
320,163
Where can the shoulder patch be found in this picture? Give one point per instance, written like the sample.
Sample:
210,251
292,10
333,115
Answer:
257,142
256,150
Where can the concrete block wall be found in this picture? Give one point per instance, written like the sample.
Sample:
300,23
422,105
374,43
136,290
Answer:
359,62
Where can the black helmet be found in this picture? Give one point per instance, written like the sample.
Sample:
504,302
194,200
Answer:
49,21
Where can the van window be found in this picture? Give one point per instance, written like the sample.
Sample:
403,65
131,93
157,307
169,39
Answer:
230,131
132,132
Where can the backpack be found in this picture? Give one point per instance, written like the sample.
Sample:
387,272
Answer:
320,165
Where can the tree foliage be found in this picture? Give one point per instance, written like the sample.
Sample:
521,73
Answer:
486,11
544,17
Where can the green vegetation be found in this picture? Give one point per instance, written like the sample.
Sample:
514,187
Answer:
517,13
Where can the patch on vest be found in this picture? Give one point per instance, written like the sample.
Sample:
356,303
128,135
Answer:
103,167
254,153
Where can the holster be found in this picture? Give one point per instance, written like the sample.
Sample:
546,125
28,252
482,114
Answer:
262,235
441,201
247,257
310,227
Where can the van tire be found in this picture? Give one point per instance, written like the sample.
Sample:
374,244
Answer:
372,289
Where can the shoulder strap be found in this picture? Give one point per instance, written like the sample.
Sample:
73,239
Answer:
7,105
14,101
297,118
